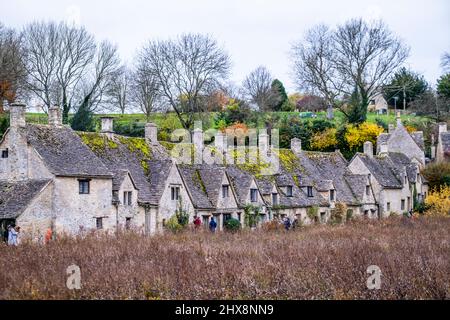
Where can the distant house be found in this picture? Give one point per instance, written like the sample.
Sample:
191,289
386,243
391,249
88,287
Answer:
378,104
443,145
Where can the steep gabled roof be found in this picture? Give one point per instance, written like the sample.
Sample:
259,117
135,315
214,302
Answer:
159,171
383,170
16,196
192,178
241,182
63,152
357,184
401,160
119,154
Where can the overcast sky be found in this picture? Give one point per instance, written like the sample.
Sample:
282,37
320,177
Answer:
254,32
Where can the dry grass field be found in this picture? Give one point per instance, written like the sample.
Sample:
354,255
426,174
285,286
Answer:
318,262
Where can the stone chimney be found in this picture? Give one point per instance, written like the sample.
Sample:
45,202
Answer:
17,144
368,148
151,133
263,141
197,140
296,145
107,124
433,147
55,116
384,148
391,127
17,115
220,141
442,127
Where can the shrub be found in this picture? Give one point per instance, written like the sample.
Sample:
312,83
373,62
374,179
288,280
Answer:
232,225
349,215
357,135
182,217
437,174
337,215
173,225
325,140
438,201
312,213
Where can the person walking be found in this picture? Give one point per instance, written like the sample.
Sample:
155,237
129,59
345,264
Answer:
48,235
197,222
12,236
287,223
212,225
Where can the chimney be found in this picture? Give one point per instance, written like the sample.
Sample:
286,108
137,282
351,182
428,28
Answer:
442,127
197,139
391,127
151,133
384,148
263,140
219,141
296,145
55,116
399,120
368,148
433,147
17,115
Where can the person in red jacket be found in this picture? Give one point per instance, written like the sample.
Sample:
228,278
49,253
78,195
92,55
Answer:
197,222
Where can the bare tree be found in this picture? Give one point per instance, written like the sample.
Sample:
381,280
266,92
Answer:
356,57
186,68
98,78
257,87
12,71
119,91
314,71
144,90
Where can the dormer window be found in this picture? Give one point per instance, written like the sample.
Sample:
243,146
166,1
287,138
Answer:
253,195
5,153
332,195
225,191
274,199
406,179
289,191
309,190
127,198
367,190
418,177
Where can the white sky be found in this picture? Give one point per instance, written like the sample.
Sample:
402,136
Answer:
254,32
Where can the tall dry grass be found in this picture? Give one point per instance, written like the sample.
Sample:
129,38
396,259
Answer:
320,262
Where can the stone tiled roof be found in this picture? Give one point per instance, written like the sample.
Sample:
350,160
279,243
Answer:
241,182
63,152
265,185
159,171
383,169
197,190
330,170
121,154
16,196
418,139
357,184
401,160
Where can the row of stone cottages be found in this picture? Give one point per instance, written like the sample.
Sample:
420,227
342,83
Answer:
54,177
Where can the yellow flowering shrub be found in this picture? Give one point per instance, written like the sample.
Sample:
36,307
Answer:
438,201
357,135
324,140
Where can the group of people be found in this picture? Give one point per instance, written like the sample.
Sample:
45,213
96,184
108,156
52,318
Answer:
12,235
288,224
212,223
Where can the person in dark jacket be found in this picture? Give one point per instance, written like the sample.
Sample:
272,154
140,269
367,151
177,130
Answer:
287,223
212,225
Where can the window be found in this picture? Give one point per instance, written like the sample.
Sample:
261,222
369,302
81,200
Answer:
127,196
239,216
83,186
323,216
127,223
289,191
205,220
406,179
372,102
5,153
367,190
226,216
331,195
175,193
388,206
99,223
310,191
409,203
366,213
225,191
418,178
274,199
402,205
253,195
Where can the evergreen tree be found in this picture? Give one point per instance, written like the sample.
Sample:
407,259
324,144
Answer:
443,86
414,84
280,97
83,120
